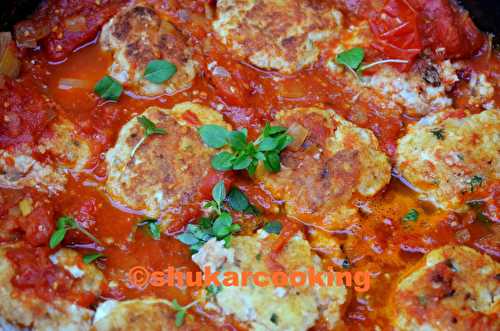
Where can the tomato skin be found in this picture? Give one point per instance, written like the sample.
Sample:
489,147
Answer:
444,25
396,32
404,28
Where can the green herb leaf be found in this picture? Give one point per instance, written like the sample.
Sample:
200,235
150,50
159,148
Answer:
214,136
154,230
108,88
274,319
411,215
351,58
222,161
219,192
475,181
158,71
268,144
179,318
212,289
149,127
152,227
237,140
187,238
438,133
242,162
272,162
89,258
57,237
222,225
65,223
273,227
237,200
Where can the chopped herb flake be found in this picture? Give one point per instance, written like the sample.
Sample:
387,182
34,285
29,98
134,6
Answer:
411,215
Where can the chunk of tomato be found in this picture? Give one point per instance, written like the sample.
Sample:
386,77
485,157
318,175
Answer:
396,32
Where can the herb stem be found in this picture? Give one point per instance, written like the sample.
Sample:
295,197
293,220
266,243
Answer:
136,147
364,67
88,234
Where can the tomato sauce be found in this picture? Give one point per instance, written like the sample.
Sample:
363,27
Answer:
380,244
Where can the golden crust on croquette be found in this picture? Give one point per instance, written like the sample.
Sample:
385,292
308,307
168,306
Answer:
449,155
138,35
269,307
334,161
166,169
139,315
452,288
281,35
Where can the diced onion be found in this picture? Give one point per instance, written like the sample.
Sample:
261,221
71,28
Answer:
9,63
27,33
299,135
71,83
76,24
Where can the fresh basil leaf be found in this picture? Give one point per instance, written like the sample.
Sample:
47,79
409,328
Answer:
154,230
222,161
273,227
219,192
276,130
89,258
237,200
227,241
237,140
179,318
222,225
272,162
411,215
108,88
187,238
158,71
252,168
214,136
283,142
351,58
196,247
57,237
205,223
66,222
268,144
242,162
210,204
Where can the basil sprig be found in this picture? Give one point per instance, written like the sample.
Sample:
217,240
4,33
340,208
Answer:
245,155
64,224
149,130
220,226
